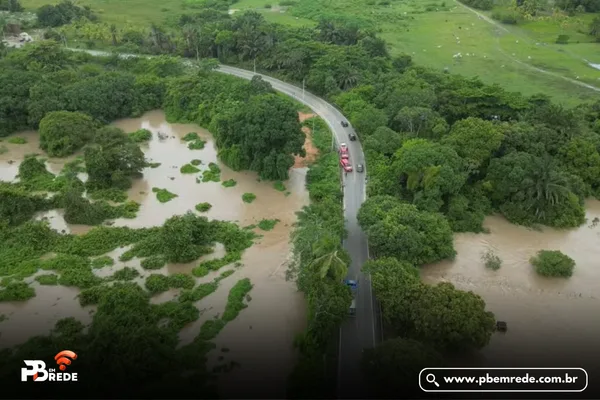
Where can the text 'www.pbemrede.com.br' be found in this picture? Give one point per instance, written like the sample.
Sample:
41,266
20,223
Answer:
503,380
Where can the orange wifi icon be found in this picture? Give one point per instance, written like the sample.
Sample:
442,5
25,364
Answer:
62,360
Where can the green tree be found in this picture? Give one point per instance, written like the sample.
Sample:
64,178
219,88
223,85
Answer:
581,157
393,366
396,284
529,189
595,28
64,132
330,259
403,231
452,319
105,97
185,237
428,172
112,159
265,133
475,140
553,263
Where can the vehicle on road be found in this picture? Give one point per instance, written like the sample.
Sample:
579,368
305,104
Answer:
345,155
360,168
352,136
344,124
345,163
353,285
343,148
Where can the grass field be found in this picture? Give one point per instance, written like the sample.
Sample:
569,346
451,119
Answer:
432,32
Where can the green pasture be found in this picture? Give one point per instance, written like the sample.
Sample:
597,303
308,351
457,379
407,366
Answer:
428,31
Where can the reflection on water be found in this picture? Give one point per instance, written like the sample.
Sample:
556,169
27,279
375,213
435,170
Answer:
276,311
549,320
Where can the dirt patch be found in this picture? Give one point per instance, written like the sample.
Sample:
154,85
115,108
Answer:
311,150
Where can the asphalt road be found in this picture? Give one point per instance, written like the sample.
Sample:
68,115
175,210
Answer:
364,330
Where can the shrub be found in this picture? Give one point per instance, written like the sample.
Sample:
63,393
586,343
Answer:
190,137
562,39
188,169
279,186
141,135
203,207
229,183
197,144
491,260
153,262
163,195
213,174
196,162
248,197
125,274
506,16
235,301
102,261
17,140
47,279
267,224
553,263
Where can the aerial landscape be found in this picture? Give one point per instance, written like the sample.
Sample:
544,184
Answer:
298,199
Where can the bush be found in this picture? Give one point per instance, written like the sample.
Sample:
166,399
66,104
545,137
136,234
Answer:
141,135
491,260
125,274
267,224
47,279
153,262
188,169
229,183
163,195
562,39
248,197
203,207
506,16
279,186
553,263
197,144
213,174
17,140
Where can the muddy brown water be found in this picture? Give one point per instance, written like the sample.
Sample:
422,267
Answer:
551,321
260,339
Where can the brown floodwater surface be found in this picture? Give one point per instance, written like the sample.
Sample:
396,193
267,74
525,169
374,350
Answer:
550,320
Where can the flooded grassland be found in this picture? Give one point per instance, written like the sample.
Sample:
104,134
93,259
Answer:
260,339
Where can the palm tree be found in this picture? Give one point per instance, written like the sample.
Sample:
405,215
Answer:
547,187
330,259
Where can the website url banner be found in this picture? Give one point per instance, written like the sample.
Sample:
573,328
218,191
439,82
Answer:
503,380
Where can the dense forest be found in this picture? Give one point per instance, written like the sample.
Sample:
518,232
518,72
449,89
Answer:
443,151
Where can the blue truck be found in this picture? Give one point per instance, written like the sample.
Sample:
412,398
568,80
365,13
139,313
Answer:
353,285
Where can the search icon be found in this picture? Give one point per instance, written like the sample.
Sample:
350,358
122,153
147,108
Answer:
430,378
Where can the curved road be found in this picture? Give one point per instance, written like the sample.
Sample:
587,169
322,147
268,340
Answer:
364,330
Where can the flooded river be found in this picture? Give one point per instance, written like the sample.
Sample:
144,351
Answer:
260,339
551,321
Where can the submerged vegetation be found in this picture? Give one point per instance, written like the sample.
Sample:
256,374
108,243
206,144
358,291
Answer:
553,263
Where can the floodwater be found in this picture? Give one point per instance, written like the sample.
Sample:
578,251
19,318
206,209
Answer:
551,321
261,338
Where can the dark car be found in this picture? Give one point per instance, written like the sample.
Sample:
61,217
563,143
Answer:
344,124
359,168
352,136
